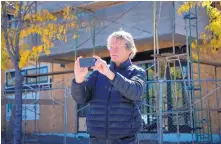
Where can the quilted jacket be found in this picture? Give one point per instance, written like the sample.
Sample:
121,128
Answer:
114,105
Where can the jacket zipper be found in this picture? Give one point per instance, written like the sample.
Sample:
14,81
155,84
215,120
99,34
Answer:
107,111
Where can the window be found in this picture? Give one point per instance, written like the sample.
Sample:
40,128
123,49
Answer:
41,79
10,76
12,23
10,79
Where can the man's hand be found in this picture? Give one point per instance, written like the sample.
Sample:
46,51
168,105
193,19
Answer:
103,68
79,72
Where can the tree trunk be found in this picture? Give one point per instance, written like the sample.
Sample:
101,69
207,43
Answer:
10,126
18,104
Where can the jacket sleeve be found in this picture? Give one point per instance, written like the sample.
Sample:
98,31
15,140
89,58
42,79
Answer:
132,88
81,92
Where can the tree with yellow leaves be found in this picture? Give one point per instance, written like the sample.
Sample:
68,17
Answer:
42,24
211,37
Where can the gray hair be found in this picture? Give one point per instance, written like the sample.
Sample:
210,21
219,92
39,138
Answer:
127,37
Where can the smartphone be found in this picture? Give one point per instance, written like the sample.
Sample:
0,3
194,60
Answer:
87,62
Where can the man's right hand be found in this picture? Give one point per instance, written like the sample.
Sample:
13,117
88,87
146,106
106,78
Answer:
79,72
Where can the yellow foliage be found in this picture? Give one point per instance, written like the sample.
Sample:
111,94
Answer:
4,59
68,14
73,24
212,33
23,47
40,48
195,56
47,52
44,24
24,58
175,72
16,9
206,3
213,41
194,44
186,6
4,53
75,36
40,16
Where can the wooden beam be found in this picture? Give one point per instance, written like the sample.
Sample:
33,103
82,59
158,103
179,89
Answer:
217,64
50,73
31,101
93,6
62,61
209,109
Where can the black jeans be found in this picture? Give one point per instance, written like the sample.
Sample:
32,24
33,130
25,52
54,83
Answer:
125,140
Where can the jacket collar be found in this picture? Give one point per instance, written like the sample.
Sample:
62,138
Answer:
123,65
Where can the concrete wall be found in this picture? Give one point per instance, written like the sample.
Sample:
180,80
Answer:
134,17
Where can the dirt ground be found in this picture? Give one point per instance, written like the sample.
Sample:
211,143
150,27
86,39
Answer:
69,140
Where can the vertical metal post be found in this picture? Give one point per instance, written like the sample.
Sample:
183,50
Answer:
208,118
156,92
25,106
92,21
5,120
36,78
65,114
173,26
154,34
160,112
52,95
217,100
76,41
190,76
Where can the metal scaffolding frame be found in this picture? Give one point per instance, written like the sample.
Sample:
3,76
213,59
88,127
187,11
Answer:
196,117
200,124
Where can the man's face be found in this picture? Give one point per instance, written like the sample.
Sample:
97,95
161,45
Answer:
118,51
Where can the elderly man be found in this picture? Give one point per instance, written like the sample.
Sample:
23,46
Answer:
114,92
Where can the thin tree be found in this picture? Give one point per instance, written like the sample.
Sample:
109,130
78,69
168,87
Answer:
49,27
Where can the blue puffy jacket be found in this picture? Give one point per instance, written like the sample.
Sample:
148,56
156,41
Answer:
114,105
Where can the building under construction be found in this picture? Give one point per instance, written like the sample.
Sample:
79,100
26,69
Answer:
182,100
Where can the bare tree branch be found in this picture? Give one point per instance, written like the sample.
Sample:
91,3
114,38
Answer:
18,32
12,46
28,7
4,27
8,45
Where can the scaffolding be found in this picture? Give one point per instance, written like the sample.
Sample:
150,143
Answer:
197,102
175,101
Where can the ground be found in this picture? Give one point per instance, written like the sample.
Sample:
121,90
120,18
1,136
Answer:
60,140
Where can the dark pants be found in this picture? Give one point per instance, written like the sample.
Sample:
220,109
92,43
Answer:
125,140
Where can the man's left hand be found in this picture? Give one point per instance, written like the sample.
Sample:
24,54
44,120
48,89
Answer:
102,67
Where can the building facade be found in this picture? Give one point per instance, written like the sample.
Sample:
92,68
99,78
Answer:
185,102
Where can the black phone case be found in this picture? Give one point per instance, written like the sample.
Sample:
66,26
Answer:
87,62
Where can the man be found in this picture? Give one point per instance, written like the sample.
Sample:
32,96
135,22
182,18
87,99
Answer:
113,91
